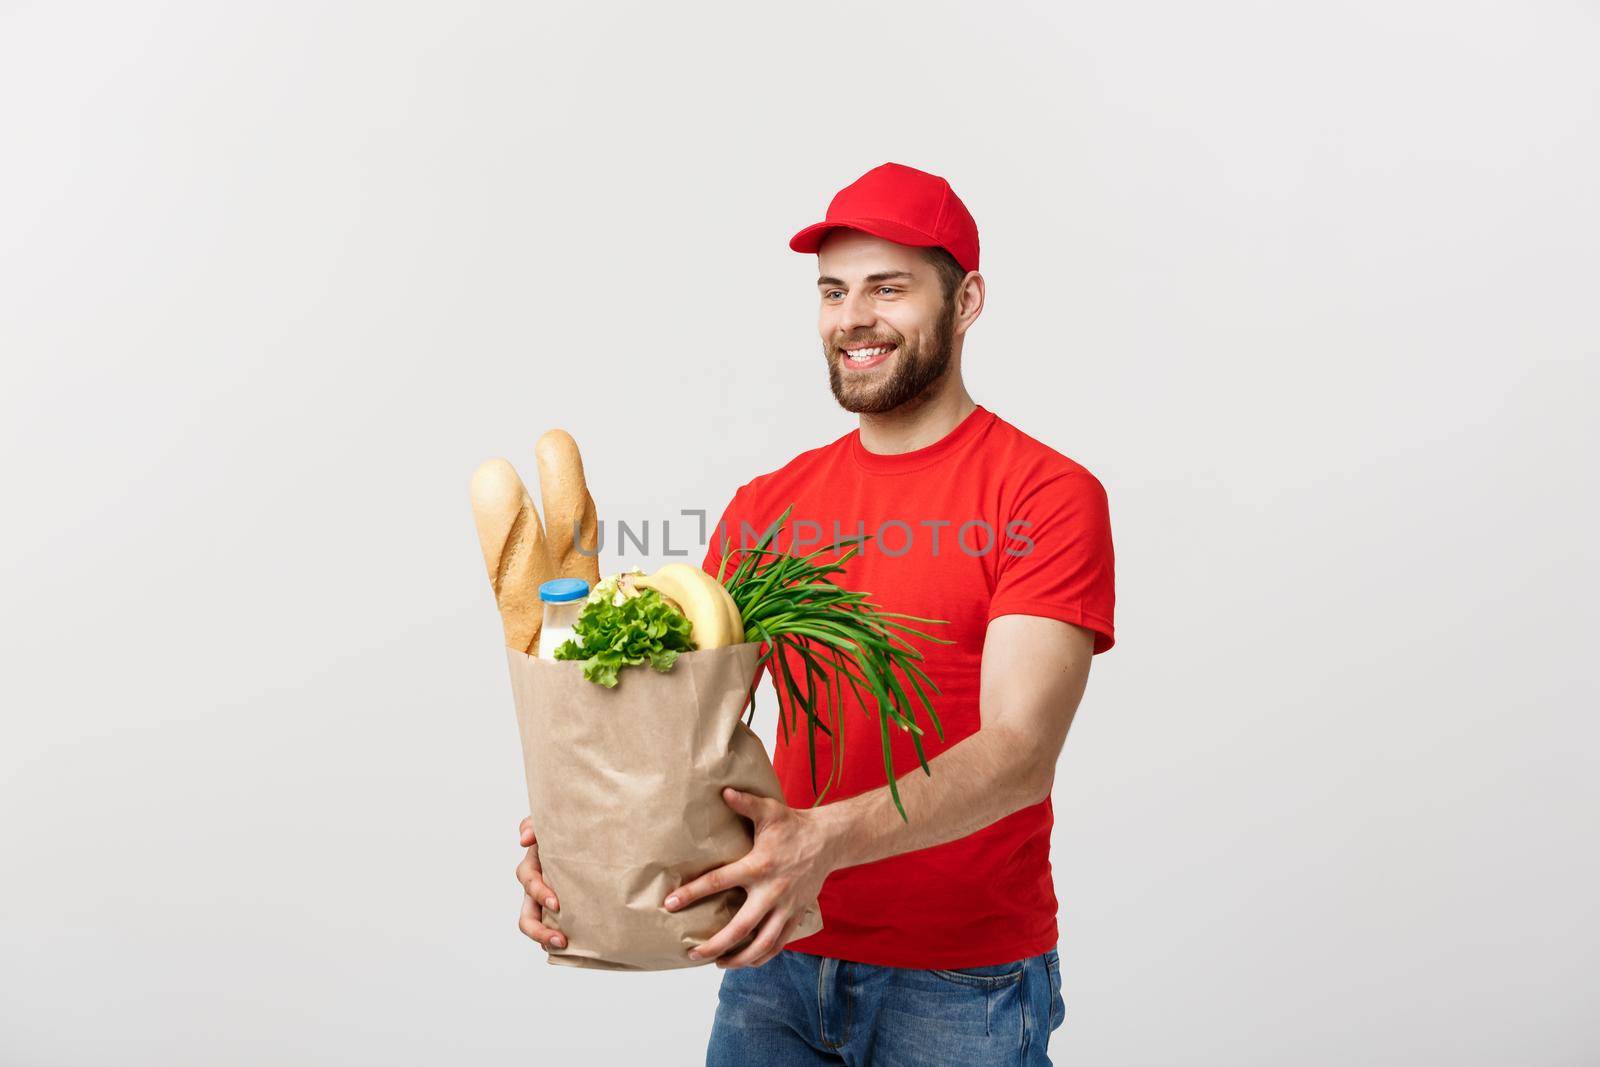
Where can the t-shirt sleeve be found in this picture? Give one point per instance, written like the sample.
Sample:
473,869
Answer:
727,525
1056,559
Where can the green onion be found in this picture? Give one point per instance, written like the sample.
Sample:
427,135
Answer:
790,603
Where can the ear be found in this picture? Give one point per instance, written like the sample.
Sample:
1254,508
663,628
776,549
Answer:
969,302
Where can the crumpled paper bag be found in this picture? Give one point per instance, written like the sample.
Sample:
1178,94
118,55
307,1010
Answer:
625,791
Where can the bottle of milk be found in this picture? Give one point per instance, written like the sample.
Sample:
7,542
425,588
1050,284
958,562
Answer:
563,602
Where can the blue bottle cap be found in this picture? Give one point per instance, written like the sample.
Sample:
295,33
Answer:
562,590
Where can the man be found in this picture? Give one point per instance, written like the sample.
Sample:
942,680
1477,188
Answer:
939,936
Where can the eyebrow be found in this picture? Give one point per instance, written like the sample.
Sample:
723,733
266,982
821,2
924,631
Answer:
881,276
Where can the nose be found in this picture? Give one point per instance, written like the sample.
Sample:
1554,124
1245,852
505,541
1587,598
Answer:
856,313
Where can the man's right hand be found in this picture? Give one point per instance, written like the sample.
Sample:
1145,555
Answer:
536,893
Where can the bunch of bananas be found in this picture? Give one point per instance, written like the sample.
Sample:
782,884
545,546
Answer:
711,612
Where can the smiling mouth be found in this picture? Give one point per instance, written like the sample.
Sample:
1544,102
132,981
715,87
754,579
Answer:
859,357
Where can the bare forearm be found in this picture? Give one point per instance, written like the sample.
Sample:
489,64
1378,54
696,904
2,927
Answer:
977,781
1034,674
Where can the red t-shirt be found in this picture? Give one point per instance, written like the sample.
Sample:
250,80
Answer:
984,522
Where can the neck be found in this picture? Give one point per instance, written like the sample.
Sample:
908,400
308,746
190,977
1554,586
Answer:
919,422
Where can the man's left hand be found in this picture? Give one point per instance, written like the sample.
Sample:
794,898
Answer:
781,875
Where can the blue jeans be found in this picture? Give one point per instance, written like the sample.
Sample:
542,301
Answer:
800,1010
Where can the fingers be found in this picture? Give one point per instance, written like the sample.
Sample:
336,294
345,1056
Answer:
787,936
528,922
531,877
534,893
525,832
749,805
769,940
738,928
713,881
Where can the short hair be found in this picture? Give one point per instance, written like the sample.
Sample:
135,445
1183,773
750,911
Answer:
948,270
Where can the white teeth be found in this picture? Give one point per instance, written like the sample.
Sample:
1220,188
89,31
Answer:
867,353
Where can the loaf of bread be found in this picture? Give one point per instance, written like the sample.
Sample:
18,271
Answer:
569,515
513,543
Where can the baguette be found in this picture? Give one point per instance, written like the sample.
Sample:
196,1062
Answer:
514,554
569,514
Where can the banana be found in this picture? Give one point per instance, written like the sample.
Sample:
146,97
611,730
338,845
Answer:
735,620
712,614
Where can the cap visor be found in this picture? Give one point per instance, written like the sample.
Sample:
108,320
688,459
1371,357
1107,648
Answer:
810,238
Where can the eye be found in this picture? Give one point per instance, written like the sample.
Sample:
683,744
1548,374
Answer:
891,288
828,293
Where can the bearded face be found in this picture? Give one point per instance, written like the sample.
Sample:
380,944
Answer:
882,369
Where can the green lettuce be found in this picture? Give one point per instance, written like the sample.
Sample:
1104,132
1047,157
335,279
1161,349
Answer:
617,630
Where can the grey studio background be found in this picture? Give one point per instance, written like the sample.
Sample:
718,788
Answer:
1309,287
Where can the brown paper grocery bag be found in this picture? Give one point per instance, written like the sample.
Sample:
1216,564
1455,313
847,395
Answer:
625,790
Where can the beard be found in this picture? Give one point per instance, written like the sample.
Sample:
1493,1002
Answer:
916,370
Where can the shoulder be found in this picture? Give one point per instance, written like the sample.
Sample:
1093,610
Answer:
1030,465
759,502
783,481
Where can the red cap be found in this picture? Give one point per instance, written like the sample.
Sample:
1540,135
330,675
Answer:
903,205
